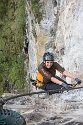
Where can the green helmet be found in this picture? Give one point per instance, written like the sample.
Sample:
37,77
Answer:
48,56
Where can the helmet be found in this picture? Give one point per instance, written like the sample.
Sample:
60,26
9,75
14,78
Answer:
10,117
48,56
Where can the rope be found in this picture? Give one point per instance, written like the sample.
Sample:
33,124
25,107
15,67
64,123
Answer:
2,101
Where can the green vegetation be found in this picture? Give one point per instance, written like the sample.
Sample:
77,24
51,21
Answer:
35,6
12,25
34,33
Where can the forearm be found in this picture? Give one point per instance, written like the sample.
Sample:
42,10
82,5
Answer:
54,80
66,73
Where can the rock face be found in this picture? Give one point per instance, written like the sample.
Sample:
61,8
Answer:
60,31
69,34
57,109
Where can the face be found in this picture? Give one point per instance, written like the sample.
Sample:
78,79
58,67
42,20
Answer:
48,64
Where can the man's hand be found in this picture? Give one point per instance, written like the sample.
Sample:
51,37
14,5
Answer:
66,86
78,81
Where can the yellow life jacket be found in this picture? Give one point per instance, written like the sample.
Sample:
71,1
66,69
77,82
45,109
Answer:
39,80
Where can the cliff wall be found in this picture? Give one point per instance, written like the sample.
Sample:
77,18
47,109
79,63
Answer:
59,31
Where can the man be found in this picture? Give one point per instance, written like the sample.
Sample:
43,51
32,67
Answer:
46,76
